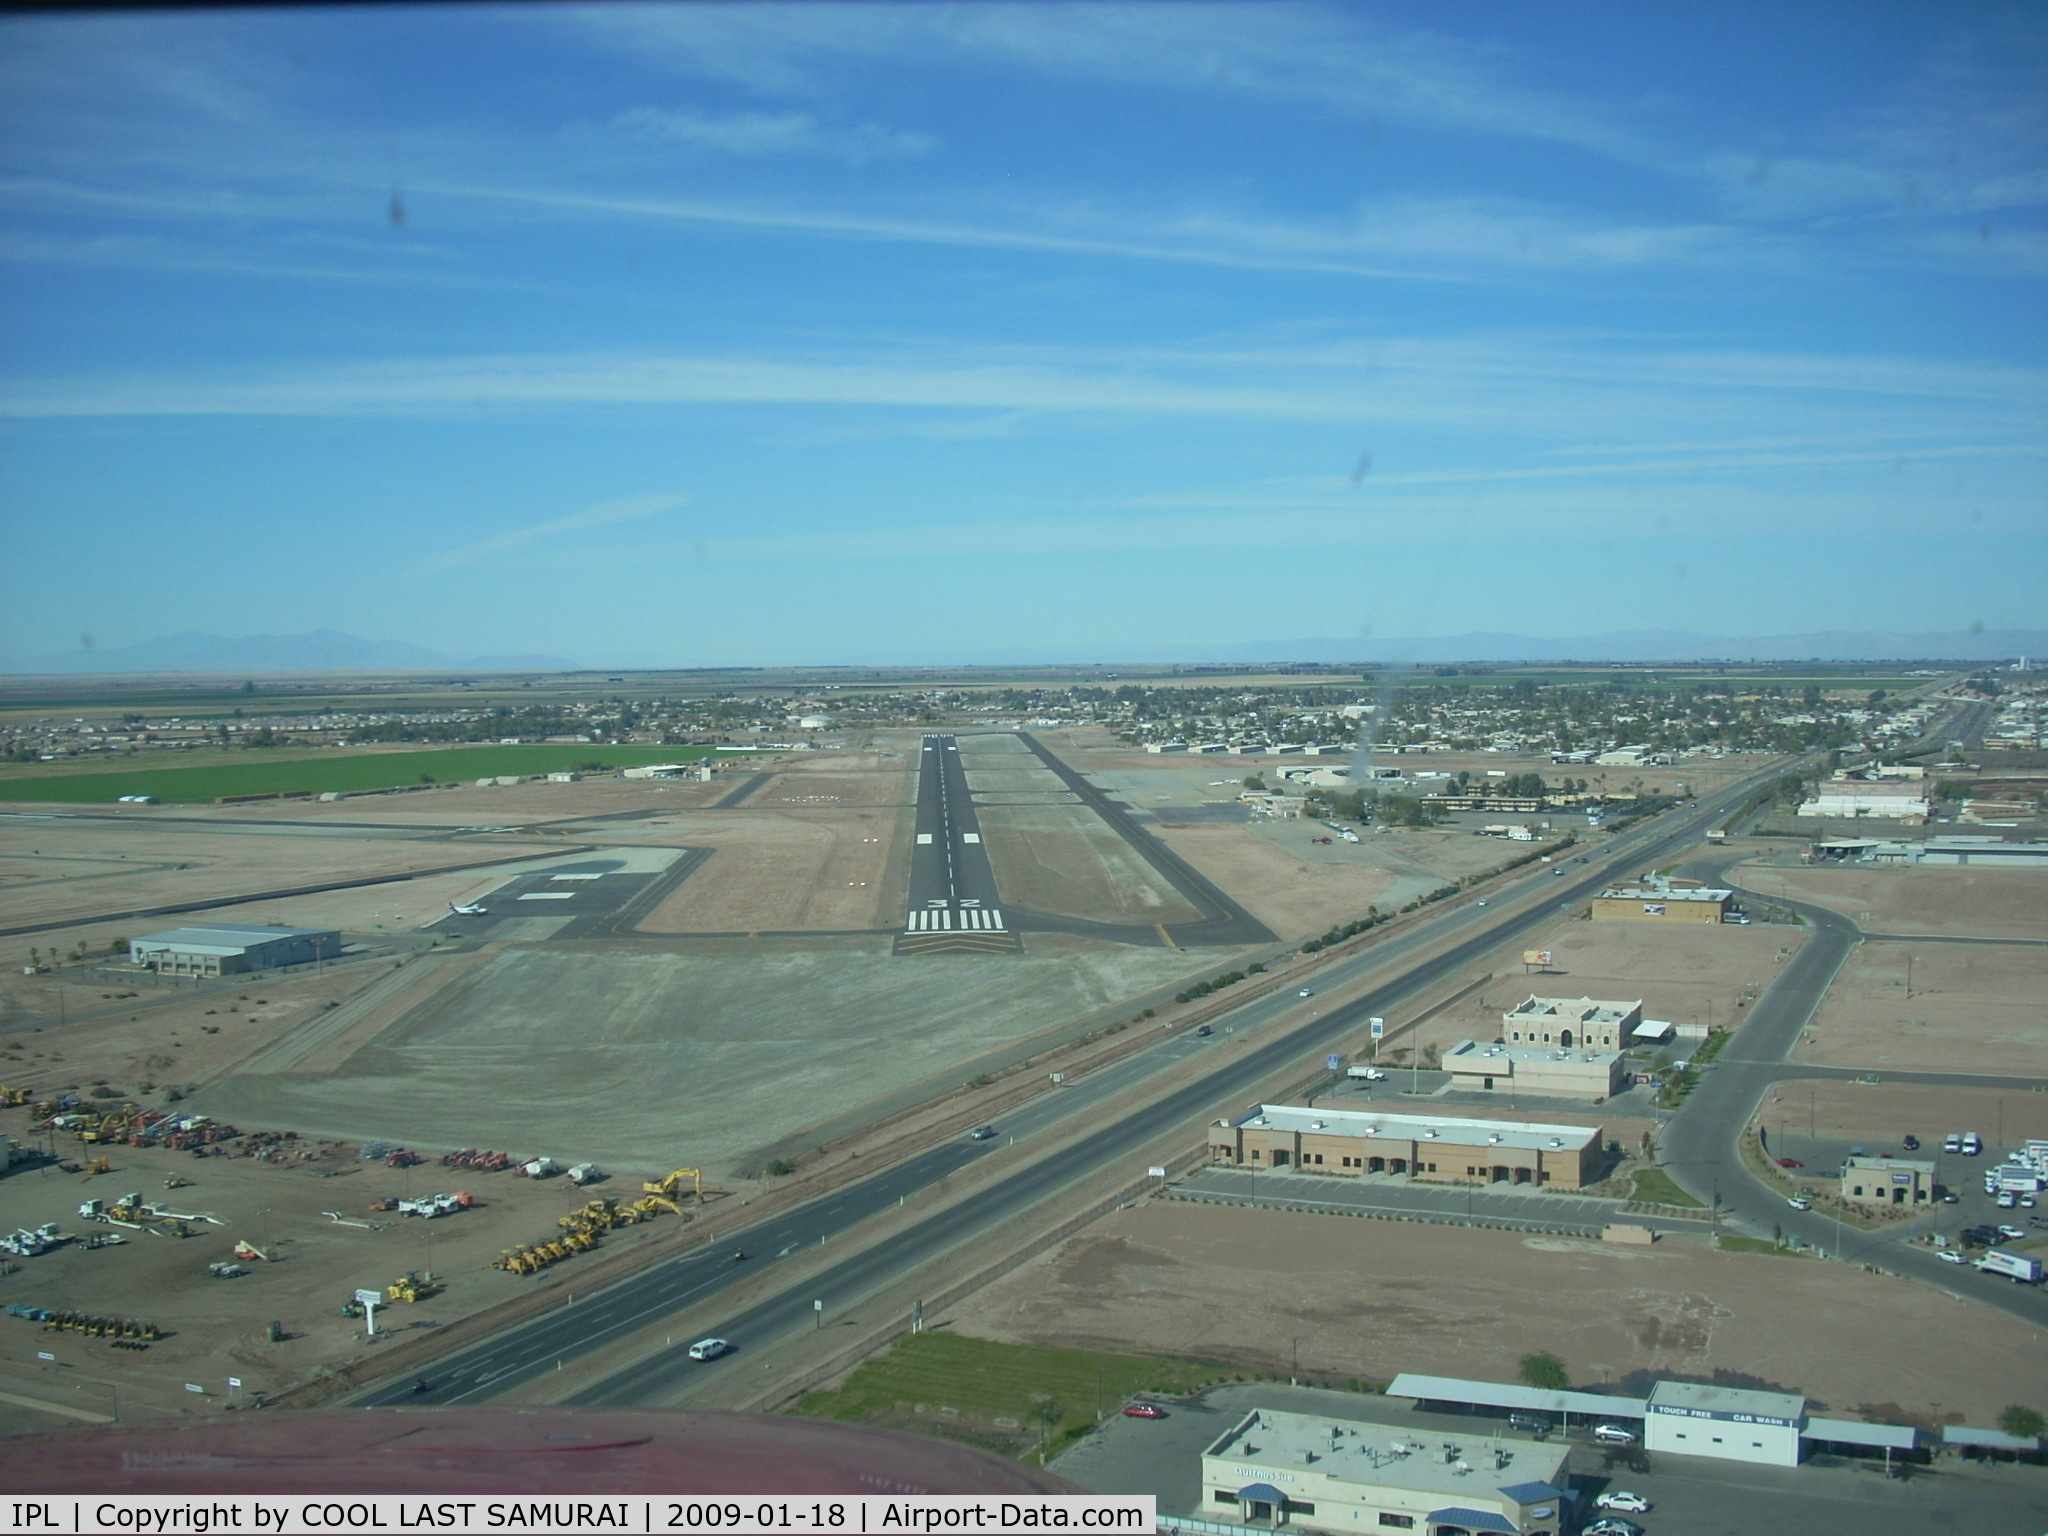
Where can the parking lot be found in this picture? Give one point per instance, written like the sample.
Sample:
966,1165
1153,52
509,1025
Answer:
1690,1496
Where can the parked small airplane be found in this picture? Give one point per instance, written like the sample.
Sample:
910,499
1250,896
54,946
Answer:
474,909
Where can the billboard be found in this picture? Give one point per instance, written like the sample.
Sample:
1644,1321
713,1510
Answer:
1535,957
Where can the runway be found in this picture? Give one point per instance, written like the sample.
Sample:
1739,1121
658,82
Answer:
954,907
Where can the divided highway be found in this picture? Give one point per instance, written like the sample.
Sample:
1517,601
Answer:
526,1350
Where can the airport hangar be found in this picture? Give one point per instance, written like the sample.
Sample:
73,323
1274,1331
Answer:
222,949
1441,1148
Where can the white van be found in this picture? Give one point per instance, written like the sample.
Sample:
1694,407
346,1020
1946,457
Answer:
1972,1145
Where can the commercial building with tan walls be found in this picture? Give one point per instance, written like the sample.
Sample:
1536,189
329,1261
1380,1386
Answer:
1586,1022
1887,1181
1550,1070
1351,1143
1662,903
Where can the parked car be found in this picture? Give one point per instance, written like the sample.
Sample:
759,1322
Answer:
710,1349
1912,1143
2007,1230
1534,1423
1790,1162
1623,1500
1800,1203
1952,1142
1614,1434
1374,1075
1953,1256
1143,1411
1614,1525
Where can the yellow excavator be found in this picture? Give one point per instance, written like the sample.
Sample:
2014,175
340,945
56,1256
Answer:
670,1188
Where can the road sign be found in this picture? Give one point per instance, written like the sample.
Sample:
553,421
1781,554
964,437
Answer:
1333,1062
1155,1172
1379,1028
44,1354
369,1298
235,1382
193,1386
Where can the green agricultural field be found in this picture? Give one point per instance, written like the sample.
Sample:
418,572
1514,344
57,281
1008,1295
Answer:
1002,1396
333,771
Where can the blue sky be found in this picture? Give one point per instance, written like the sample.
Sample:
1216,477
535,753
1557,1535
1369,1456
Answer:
761,334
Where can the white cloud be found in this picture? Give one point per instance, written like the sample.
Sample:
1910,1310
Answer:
1330,61
604,514
758,134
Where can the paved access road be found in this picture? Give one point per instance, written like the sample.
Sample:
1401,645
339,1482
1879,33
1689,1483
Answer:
1700,1144
953,903
525,1350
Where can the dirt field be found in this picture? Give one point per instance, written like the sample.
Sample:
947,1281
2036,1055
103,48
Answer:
1066,859
641,1057
1370,1299
216,1326
1973,1008
51,872
1989,903
1288,893
1687,975
1881,1112
810,867
162,1034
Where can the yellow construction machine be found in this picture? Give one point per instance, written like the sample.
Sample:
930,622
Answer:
411,1287
670,1188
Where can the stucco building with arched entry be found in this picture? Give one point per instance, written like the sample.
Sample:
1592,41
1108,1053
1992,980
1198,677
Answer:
1353,1143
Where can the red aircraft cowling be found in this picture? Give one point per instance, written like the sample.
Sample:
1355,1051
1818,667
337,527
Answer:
498,1451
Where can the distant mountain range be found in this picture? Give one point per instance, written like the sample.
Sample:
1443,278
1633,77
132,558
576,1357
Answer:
1623,645
329,650
324,650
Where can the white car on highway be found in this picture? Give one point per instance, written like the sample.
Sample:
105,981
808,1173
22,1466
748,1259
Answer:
709,1349
1799,1203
